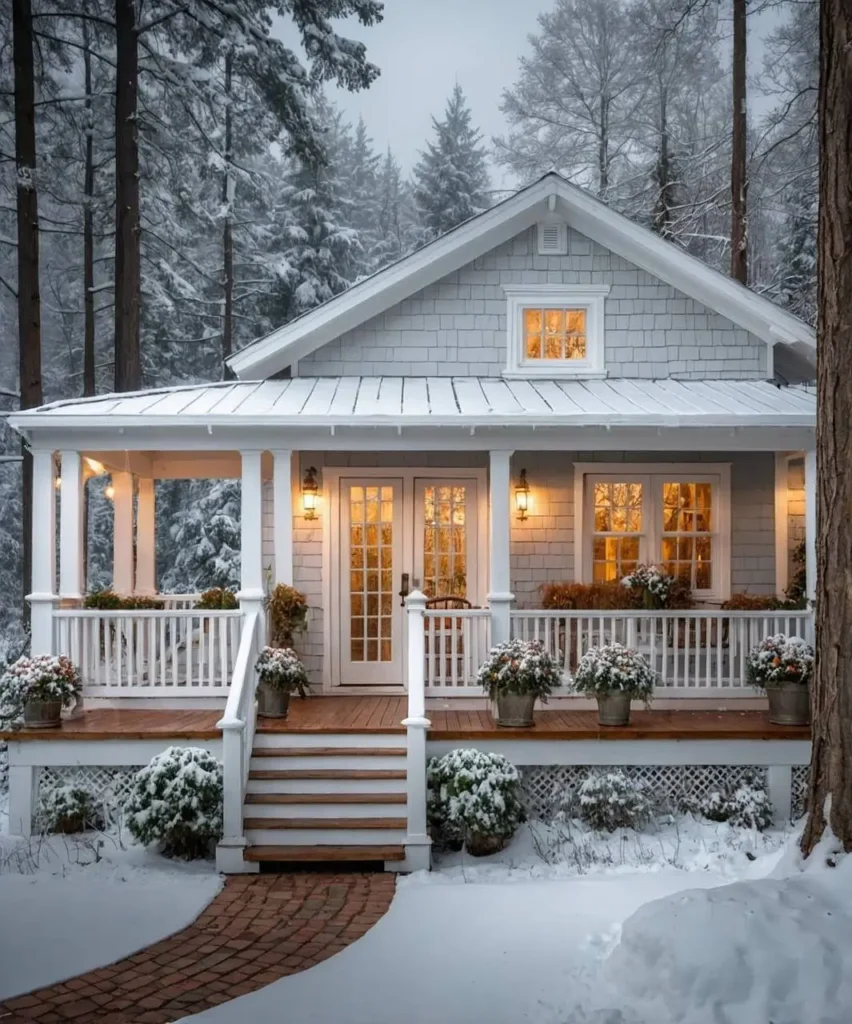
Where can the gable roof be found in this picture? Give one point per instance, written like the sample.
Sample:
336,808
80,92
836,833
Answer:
481,234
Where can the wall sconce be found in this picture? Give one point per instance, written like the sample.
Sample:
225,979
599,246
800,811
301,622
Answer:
109,492
310,490
57,482
522,496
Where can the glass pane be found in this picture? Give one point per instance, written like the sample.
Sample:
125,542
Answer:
370,548
445,532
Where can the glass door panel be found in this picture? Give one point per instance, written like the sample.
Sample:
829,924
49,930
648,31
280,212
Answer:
445,537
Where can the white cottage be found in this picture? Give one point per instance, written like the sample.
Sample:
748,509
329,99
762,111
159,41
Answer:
547,393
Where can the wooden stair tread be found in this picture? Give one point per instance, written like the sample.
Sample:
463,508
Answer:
327,773
329,752
325,798
324,823
297,854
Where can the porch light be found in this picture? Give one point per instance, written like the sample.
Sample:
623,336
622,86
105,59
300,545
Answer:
94,467
57,482
310,490
522,496
109,492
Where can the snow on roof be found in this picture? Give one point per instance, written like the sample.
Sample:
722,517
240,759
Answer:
440,401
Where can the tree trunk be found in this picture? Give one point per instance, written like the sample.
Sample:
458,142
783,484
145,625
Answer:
128,363
831,693
29,299
739,180
228,227
603,149
88,227
663,206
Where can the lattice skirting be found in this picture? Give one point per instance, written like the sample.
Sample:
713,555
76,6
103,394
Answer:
799,788
108,787
545,787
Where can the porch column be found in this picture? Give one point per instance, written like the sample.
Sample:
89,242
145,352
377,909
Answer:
146,547
782,486
43,596
500,596
282,515
71,583
122,539
811,523
251,593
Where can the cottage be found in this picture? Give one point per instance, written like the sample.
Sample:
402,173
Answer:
547,393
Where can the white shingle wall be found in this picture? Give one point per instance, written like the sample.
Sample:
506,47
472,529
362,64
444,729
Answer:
457,326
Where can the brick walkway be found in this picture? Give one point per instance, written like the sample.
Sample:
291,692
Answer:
258,929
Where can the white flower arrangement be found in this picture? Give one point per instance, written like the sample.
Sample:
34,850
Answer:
474,792
614,668
652,580
45,677
780,659
280,668
519,667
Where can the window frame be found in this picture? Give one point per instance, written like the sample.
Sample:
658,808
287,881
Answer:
588,297
653,475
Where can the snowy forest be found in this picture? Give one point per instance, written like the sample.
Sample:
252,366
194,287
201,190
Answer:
220,192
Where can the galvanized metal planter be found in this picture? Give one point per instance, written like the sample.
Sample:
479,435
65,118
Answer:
614,709
272,702
480,845
515,710
42,714
789,704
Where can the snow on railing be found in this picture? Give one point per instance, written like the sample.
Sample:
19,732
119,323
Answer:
150,653
690,651
179,601
457,641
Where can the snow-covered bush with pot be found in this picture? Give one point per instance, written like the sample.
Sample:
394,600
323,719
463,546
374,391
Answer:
176,801
69,809
280,668
614,668
780,659
610,800
43,677
519,667
476,796
745,805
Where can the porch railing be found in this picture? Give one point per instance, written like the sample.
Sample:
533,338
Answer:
456,643
691,652
179,601
162,653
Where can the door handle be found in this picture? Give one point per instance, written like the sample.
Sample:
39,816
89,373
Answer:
403,593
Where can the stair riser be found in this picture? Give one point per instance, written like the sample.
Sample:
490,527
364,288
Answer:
326,786
322,739
308,762
324,837
325,810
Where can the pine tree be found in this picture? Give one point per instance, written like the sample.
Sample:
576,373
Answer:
795,257
451,178
206,535
360,185
396,234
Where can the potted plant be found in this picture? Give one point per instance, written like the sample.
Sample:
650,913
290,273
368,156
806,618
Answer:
615,675
515,674
217,599
288,612
281,673
782,665
38,688
656,589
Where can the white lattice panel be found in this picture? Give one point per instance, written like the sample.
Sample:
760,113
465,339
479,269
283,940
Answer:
108,787
545,787
799,790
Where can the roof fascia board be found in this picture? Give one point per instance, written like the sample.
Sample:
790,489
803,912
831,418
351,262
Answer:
377,294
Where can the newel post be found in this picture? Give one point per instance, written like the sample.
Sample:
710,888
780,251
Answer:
500,596
417,842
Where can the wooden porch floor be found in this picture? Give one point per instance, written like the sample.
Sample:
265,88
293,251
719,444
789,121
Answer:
376,714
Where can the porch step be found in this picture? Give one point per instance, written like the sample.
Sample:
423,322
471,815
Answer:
265,739
308,751
326,773
308,854
309,760
325,811
325,798
344,835
313,786
324,823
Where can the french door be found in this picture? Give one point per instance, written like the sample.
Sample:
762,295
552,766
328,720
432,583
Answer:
397,533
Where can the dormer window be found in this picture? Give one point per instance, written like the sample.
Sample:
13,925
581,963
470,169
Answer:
556,330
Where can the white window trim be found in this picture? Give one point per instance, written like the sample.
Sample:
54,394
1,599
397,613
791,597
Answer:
693,471
590,297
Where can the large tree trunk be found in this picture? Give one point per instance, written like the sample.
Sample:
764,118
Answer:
29,299
228,227
663,207
128,363
88,228
831,694
739,181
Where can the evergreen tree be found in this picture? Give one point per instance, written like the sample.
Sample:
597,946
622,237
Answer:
451,178
397,215
360,186
206,535
795,257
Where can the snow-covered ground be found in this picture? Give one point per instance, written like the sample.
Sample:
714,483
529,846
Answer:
67,906
513,938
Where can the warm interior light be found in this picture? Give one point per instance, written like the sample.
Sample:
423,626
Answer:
57,482
109,492
97,468
522,496
310,490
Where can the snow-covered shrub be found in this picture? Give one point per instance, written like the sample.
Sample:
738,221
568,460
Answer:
69,809
520,667
614,668
288,612
176,800
658,589
4,769
280,668
746,805
45,677
780,659
610,800
476,796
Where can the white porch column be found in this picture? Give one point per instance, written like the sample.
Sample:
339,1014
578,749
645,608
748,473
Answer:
418,845
811,523
782,540
122,540
43,596
282,515
251,593
71,584
146,547
500,596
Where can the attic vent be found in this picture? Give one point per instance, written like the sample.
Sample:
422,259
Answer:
552,239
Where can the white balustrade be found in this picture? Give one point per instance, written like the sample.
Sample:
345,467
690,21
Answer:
182,601
691,652
456,642
150,653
